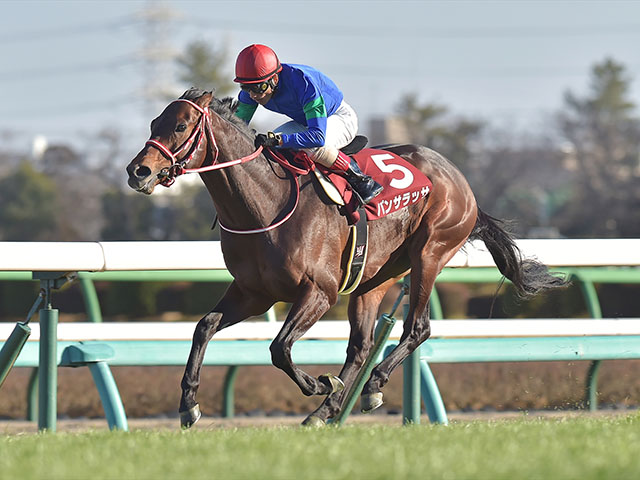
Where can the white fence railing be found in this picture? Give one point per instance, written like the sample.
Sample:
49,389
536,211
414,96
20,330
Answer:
336,329
121,256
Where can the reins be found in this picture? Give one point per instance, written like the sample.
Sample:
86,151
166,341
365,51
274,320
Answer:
205,128
295,171
178,167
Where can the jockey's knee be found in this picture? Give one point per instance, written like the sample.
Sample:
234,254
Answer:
325,155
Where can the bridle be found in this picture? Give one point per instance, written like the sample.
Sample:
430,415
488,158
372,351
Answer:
191,147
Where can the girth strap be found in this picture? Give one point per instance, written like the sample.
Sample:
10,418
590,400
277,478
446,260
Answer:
357,255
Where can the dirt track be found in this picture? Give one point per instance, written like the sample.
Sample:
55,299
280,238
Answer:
16,427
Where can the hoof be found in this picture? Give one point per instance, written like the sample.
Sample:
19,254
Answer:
370,401
313,421
334,382
191,416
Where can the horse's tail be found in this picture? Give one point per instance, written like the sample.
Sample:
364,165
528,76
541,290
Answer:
528,276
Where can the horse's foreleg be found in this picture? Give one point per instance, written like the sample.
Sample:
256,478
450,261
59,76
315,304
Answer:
303,314
234,307
206,327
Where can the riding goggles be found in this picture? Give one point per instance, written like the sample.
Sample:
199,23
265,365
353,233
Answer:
255,87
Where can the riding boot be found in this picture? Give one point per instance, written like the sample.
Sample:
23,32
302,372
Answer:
365,187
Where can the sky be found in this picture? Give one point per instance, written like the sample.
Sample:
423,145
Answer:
72,68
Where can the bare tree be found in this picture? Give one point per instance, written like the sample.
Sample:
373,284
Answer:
205,66
603,134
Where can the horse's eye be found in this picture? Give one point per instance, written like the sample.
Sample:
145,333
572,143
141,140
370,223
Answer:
181,127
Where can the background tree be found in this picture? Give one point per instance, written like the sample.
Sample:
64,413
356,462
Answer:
188,215
522,180
29,206
107,149
603,135
127,216
511,178
204,66
431,125
78,187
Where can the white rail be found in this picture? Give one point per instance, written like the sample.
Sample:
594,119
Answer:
121,256
338,329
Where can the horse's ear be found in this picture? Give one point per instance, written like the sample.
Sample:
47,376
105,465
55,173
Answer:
205,99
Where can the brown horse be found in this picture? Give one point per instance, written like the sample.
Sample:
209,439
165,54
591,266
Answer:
298,251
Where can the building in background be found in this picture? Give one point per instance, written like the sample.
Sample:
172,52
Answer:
384,130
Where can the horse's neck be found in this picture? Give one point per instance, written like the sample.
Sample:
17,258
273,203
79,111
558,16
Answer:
242,194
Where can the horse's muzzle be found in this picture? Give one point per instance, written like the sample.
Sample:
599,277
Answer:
141,178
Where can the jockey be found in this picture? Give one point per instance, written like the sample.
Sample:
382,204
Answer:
322,122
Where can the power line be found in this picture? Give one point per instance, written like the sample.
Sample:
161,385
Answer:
40,73
469,76
52,111
63,32
469,72
529,71
376,31
369,31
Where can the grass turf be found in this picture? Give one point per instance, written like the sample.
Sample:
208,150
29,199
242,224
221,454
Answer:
584,448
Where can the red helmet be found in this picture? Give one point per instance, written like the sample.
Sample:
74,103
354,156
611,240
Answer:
255,64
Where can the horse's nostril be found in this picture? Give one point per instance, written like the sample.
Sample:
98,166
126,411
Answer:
142,172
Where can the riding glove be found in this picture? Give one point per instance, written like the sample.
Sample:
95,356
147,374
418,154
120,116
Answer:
269,140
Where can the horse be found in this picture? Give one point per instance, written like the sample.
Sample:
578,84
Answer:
282,241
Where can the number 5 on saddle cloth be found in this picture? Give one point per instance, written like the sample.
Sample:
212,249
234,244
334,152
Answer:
404,185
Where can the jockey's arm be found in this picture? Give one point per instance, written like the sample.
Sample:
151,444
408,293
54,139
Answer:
315,114
245,110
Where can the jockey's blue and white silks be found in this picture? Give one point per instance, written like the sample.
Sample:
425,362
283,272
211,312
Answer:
305,95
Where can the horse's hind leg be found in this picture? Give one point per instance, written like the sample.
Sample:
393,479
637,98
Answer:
425,266
234,307
362,315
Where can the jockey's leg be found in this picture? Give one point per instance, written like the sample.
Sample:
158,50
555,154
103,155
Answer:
342,127
365,187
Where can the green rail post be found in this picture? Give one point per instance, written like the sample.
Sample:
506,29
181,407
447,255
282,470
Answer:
32,396
590,295
383,329
411,384
595,310
48,361
431,395
591,398
91,301
228,406
48,349
14,344
381,334
435,306
109,395
12,348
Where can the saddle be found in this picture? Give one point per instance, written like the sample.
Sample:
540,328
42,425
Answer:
404,185
357,144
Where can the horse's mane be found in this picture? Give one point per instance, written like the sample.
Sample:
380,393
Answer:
225,107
